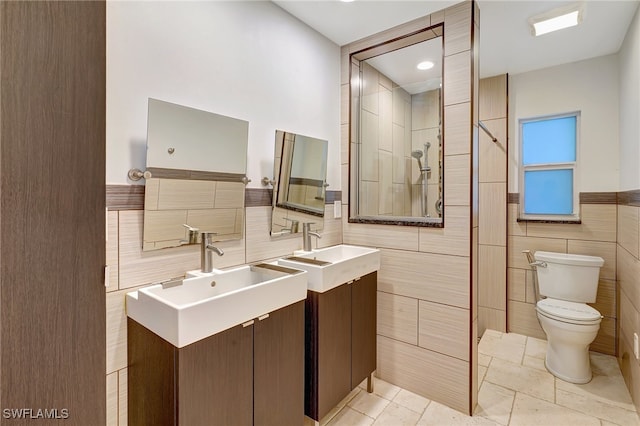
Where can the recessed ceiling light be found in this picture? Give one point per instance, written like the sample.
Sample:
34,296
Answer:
425,65
556,19
346,1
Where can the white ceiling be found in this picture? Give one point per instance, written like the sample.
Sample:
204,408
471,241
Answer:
506,43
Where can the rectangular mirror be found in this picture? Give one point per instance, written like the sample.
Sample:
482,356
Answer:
397,135
299,189
197,165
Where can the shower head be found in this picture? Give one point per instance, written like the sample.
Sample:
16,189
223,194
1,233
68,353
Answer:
417,154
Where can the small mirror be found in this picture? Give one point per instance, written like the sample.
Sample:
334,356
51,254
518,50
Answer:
396,132
299,189
197,161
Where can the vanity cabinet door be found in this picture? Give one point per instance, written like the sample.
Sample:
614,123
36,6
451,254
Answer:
363,327
328,350
279,367
215,379
151,378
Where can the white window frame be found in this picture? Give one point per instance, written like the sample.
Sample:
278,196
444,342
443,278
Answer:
575,215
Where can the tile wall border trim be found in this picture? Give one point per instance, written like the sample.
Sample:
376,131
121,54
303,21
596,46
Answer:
131,197
627,197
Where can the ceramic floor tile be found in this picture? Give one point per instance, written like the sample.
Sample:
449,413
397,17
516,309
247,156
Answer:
597,408
384,389
411,401
505,347
482,371
437,414
331,414
531,381
533,362
514,338
484,360
397,415
369,404
606,423
536,348
607,384
494,403
492,333
349,417
529,411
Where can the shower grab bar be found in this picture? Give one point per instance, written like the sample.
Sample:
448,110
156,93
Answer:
493,138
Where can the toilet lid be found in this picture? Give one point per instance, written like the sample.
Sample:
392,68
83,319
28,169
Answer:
568,310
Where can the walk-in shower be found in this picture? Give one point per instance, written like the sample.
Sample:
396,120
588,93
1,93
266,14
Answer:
418,154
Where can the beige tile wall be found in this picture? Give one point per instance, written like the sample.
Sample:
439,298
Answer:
386,149
628,282
130,269
492,215
426,308
596,235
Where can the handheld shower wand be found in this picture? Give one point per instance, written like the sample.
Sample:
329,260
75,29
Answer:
417,154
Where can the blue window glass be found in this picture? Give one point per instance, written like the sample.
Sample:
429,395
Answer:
548,191
549,141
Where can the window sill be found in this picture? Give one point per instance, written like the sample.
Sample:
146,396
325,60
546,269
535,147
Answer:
561,221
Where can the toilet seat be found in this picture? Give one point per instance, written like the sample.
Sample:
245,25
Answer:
569,312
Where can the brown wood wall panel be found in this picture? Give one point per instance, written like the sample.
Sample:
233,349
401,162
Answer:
52,157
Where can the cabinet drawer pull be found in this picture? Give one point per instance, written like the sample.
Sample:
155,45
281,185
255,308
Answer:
248,323
350,282
263,317
357,279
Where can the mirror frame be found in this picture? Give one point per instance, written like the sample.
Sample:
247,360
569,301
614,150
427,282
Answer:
355,58
296,214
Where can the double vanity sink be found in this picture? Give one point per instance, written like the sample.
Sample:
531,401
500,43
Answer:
231,336
204,305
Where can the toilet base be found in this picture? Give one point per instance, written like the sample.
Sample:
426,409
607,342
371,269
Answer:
568,344
580,379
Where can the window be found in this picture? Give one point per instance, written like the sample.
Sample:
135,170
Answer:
548,164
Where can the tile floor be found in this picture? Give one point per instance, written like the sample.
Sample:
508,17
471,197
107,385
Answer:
515,389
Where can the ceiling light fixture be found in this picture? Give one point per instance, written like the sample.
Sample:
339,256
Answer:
425,65
556,19
346,1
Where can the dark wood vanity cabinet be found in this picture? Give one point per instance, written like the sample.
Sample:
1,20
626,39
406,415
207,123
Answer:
246,375
364,307
340,347
278,368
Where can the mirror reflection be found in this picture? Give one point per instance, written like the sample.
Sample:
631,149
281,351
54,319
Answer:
397,140
197,161
299,190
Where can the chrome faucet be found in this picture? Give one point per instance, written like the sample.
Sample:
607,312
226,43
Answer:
193,235
294,226
206,251
306,236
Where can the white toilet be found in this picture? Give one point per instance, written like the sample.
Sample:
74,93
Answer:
569,282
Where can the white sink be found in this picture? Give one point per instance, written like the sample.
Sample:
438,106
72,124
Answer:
334,265
204,306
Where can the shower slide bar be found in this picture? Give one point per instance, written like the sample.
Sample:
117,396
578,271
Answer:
493,138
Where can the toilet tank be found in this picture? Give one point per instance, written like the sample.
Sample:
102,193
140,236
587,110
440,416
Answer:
572,277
